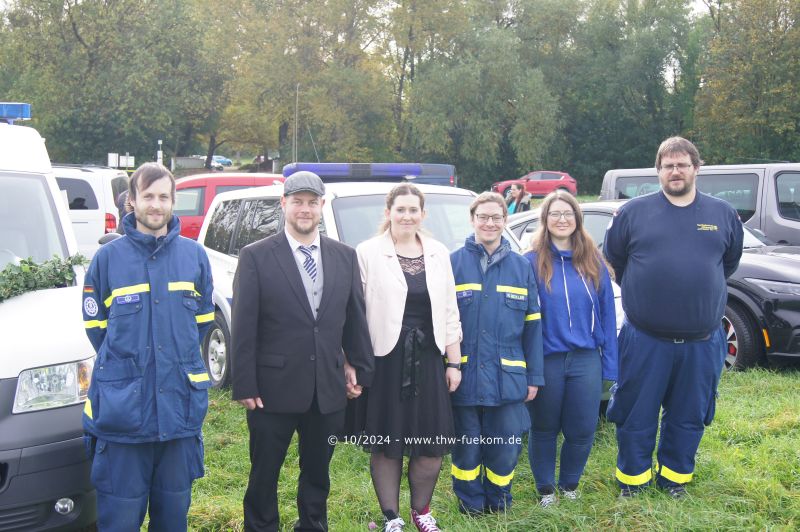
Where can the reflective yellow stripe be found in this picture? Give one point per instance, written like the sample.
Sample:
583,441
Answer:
669,474
531,317
462,474
91,324
512,290
636,480
464,359
766,338
204,318
177,286
518,363
87,408
468,286
198,377
499,480
126,291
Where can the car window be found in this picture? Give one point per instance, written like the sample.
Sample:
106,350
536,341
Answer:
222,224
226,188
262,218
596,224
118,186
550,175
740,190
447,219
189,201
633,186
788,187
80,195
28,225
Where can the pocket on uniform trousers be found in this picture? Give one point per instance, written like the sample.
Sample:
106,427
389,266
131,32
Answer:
119,387
712,409
100,474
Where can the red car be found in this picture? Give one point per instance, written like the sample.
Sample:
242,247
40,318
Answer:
540,183
193,194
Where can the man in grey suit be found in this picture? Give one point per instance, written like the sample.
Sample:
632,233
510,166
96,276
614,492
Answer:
298,310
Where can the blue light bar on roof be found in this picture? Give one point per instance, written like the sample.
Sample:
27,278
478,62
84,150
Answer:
11,111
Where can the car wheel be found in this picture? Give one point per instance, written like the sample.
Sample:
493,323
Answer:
216,352
742,347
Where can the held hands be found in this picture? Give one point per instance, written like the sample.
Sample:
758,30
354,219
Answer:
251,403
453,377
353,388
532,390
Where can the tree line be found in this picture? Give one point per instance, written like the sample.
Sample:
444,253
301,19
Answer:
496,87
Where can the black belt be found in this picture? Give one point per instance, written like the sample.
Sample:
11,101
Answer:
682,340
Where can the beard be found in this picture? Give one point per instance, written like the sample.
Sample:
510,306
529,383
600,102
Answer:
686,188
142,219
302,230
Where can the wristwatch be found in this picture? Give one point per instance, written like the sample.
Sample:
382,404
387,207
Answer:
455,365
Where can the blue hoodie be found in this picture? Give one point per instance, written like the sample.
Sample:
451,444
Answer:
574,314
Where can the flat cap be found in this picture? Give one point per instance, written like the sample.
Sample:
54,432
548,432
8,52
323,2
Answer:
303,181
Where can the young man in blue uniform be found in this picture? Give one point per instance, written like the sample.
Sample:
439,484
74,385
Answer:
146,307
501,360
672,251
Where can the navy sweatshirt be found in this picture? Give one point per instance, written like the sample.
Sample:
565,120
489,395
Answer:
672,262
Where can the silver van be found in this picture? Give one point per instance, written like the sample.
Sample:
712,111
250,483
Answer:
767,196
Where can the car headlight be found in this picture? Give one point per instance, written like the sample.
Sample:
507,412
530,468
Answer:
53,386
776,287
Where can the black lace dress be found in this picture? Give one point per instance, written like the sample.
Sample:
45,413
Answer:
407,409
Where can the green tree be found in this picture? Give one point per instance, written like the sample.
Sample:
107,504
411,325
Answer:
747,108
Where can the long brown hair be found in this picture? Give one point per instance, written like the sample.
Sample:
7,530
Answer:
585,257
403,189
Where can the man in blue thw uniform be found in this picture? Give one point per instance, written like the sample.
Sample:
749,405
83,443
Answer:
672,251
146,307
501,360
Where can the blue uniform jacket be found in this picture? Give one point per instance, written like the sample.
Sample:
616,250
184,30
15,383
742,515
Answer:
146,307
575,315
502,345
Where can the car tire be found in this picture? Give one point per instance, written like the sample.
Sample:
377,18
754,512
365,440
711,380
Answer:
742,349
216,352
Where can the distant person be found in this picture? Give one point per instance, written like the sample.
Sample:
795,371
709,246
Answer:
298,311
502,363
671,251
580,345
146,307
519,200
413,322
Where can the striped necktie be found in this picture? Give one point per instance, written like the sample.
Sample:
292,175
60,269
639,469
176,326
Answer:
310,265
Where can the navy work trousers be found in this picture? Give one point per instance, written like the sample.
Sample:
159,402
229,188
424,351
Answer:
677,376
568,403
128,476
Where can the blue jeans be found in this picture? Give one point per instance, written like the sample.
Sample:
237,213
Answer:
569,402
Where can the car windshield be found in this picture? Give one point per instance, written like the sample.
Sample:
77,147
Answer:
28,226
447,219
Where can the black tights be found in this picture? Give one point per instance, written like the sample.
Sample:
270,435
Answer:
423,471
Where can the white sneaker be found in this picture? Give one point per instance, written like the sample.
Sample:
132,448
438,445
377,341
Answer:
395,525
547,500
571,494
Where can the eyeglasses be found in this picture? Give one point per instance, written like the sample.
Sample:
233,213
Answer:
672,167
556,215
483,218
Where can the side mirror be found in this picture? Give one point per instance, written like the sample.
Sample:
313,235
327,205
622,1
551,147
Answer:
108,237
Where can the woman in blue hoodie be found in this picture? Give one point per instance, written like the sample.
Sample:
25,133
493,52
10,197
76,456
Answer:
579,335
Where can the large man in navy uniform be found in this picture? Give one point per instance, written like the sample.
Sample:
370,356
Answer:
298,311
146,307
671,251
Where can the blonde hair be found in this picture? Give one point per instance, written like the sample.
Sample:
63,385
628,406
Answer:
585,256
488,197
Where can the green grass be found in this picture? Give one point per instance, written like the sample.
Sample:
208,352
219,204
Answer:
746,476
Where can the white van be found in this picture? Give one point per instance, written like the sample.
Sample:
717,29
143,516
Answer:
767,196
46,361
91,195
